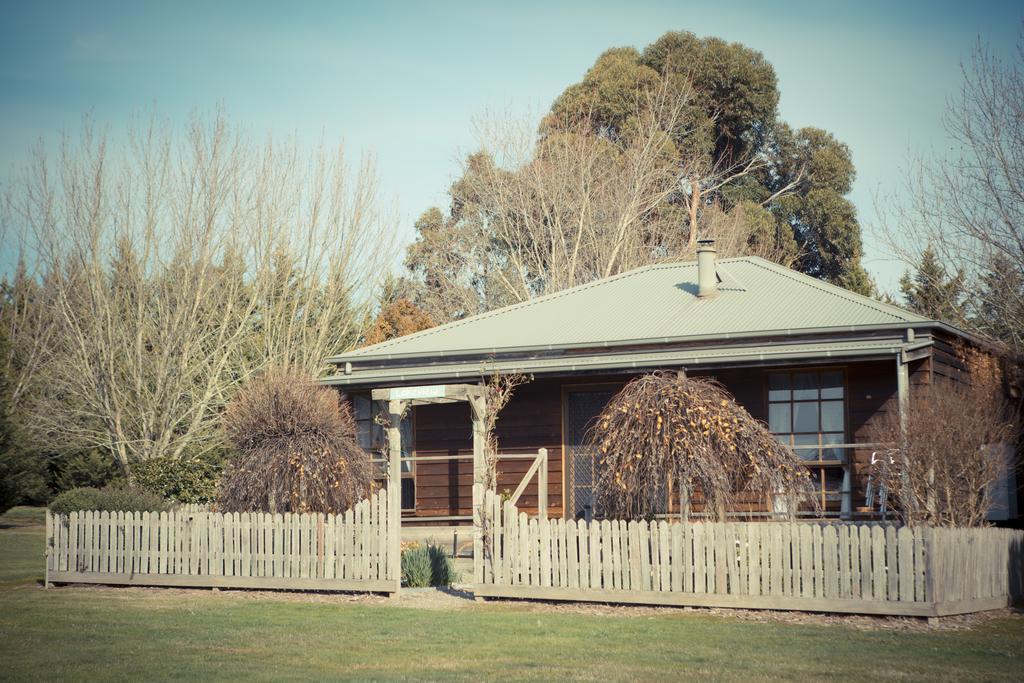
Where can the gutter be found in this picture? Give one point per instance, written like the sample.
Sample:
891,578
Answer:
353,357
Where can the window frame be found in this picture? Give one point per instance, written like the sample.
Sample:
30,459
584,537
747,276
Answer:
818,467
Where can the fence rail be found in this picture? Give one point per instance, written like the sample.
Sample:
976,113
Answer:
237,550
867,569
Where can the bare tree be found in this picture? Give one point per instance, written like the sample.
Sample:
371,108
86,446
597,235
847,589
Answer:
666,427
969,207
175,266
947,454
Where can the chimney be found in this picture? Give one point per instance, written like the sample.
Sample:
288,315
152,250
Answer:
707,276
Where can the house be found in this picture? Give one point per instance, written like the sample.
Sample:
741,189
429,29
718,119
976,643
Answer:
817,363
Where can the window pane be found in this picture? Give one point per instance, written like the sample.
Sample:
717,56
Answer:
832,384
806,440
835,480
408,494
831,416
405,429
779,417
778,386
360,408
805,417
363,434
838,454
805,385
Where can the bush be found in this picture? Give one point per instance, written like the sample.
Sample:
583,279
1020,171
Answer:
295,449
184,480
666,425
417,568
112,498
427,565
945,455
442,571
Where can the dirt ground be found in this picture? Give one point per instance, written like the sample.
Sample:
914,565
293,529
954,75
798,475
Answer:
451,599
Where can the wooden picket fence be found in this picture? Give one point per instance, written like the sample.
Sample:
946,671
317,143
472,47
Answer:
347,552
868,569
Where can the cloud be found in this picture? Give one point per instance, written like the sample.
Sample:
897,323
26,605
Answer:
96,47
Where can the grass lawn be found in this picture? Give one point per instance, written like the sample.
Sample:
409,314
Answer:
89,633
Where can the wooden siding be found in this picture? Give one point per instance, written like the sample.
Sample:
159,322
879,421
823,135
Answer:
534,419
531,420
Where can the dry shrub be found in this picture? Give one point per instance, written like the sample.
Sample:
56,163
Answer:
666,425
943,464
295,449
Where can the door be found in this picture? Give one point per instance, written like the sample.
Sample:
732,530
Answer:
582,407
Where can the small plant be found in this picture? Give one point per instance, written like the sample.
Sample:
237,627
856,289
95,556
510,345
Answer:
442,571
112,498
417,568
427,565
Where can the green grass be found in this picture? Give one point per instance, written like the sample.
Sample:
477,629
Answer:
83,633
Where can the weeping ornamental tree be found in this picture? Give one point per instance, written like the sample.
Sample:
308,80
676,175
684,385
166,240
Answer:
295,449
664,426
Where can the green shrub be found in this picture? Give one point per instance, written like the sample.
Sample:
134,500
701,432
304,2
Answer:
112,498
427,565
93,468
81,498
187,480
417,568
442,571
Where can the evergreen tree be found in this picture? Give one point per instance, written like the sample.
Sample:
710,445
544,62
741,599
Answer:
932,292
22,475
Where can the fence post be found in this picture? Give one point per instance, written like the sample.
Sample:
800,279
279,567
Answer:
478,410
394,493
931,565
48,551
542,485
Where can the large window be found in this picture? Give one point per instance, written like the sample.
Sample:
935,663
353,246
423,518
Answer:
807,410
370,436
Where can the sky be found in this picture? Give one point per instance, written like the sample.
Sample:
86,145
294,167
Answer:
405,80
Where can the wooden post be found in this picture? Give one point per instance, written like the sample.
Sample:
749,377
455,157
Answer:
48,552
542,485
394,490
902,390
478,408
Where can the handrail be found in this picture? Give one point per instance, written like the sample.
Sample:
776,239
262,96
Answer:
539,466
458,456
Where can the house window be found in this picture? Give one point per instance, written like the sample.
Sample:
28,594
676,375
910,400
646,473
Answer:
370,435
807,410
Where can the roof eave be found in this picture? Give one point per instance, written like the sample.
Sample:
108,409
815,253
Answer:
354,357
707,357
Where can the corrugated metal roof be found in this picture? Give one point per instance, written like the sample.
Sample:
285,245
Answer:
653,303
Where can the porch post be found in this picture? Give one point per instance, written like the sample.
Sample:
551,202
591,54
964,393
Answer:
478,408
902,391
394,489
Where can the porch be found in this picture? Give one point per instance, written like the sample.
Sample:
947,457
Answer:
824,410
